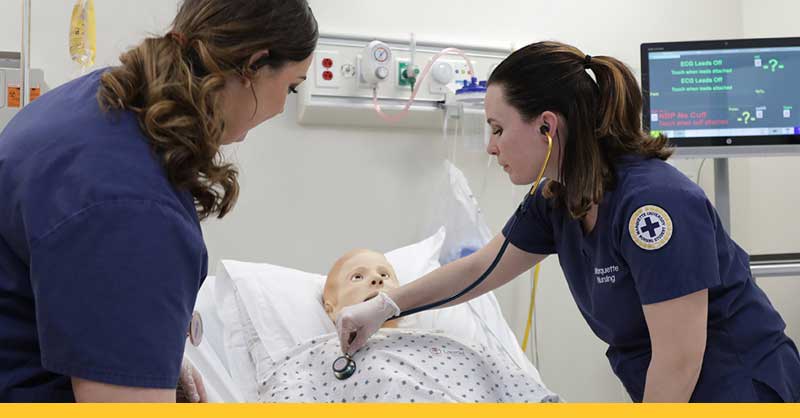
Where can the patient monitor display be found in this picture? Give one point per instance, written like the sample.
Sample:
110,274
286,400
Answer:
723,93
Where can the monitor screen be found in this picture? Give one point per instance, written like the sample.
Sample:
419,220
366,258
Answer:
723,93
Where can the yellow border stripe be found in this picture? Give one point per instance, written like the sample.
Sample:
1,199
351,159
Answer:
404,411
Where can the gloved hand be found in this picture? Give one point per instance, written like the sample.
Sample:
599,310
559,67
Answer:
190,384
356,323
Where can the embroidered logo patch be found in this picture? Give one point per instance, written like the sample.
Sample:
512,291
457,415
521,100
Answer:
650,227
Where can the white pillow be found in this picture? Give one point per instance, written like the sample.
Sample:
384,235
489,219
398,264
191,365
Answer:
414,261
284,305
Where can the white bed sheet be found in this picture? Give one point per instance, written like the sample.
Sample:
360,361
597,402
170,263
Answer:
399,366
209,357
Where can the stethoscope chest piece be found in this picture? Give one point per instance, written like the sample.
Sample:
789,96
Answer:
344,367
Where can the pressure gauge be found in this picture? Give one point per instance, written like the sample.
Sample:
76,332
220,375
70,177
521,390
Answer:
381,53
376,63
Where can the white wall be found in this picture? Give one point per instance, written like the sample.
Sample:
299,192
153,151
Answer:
311,193
765,197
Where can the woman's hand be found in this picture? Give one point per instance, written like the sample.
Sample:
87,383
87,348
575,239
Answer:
190,384
356,323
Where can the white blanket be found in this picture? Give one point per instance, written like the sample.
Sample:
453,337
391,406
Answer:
399,366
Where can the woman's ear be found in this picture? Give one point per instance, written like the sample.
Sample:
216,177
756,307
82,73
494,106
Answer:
549,121
258,60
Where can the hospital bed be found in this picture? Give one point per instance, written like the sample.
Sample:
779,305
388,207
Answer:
209,357
229,367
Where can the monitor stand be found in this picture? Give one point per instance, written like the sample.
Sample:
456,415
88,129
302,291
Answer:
722,193
770,265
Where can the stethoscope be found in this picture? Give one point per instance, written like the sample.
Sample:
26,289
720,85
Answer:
345,366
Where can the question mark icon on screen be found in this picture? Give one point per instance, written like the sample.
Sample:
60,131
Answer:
746,116
773,63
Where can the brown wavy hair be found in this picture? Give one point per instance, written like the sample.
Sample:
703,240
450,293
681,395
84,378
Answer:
173,84
603,117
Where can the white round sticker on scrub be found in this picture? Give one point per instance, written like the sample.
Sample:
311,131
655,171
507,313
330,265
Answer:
650,227
196,329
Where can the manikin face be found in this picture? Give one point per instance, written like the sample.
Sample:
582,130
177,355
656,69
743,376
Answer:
356,277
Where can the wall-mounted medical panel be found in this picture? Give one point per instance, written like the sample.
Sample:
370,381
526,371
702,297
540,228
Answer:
347,71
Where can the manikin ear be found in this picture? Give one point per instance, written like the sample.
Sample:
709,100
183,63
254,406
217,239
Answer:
330,311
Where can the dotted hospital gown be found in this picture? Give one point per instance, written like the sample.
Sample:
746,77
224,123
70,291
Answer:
399,366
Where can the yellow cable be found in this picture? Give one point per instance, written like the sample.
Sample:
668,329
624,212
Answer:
544,166
538,266
532,306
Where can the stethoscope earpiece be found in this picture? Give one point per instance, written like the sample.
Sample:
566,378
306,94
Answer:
545,129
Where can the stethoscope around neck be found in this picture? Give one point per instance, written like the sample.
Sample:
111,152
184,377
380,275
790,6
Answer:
344,366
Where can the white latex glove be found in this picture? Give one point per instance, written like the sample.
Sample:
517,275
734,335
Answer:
192,383
356,323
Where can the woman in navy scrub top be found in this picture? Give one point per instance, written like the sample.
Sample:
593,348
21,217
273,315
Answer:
104,181
646,258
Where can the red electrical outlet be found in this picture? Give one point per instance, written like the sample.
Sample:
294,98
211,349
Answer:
327,73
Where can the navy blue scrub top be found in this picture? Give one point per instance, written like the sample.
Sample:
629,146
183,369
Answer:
101,258
657,238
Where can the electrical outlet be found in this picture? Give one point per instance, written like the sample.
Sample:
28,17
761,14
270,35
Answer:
327,65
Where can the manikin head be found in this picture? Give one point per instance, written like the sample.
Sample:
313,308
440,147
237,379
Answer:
356,277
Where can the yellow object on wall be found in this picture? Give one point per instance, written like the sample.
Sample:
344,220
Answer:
82,34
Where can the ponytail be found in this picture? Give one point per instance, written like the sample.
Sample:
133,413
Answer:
620,104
